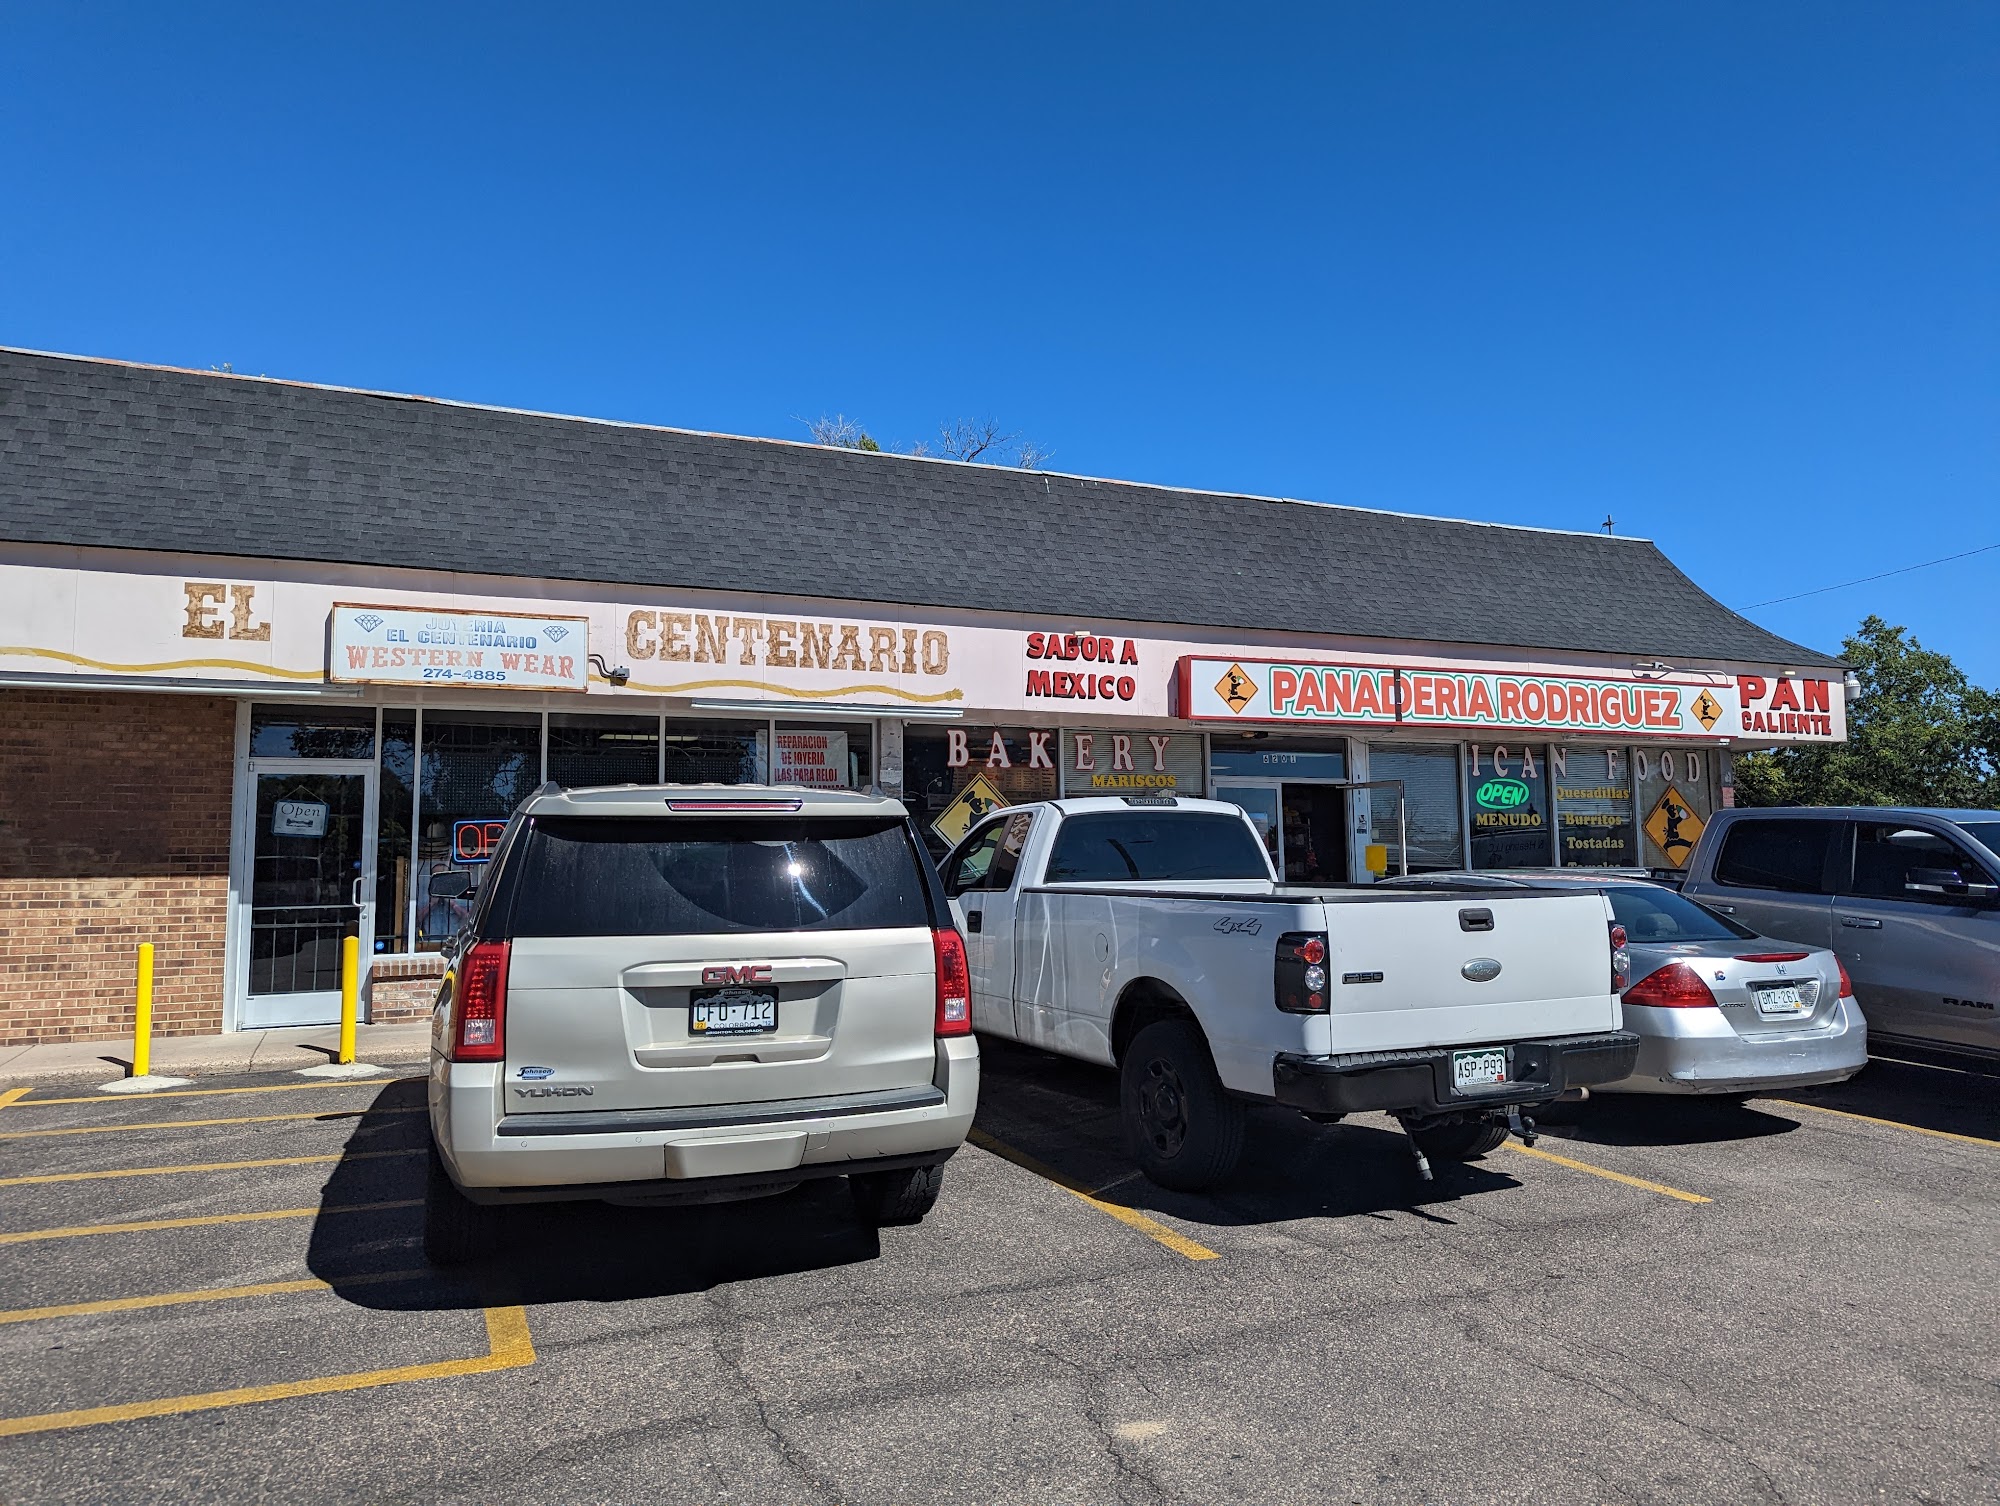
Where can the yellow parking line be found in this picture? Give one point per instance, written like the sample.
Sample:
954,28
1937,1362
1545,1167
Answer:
508,1347
204,1294
1609,1175
274,1087
1180,1244
158,1124
12,1095
1915,1129
161,1171
146,1225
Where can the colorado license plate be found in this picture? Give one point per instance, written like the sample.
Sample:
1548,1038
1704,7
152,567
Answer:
1781,1000
732,1011
1473,1070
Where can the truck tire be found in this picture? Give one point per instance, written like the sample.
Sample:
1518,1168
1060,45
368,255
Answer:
888,1198
456,1229
1181,1126
1460,1139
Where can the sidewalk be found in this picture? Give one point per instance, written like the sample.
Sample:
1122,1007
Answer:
404,1045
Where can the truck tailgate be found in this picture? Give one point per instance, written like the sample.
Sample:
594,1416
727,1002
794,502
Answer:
1433,956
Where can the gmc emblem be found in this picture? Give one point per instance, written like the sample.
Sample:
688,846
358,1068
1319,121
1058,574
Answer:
749,972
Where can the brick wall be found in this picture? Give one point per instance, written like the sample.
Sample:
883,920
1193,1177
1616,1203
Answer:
114,829
402,989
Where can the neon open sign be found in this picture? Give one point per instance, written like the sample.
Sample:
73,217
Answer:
474,841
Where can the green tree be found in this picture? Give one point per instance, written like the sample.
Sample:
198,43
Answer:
1919,733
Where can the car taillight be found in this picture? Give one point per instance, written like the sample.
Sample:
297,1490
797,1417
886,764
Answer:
1299,974
1621,960
1675,986
1846,983
479,1005
954,984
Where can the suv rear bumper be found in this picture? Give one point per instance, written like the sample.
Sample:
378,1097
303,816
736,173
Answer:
679,1155
1419,1082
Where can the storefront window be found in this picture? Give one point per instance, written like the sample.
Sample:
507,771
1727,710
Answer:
1507,792
1127,763
1436,828
593,750
1675,801
392,831
954,775
714,752
830,755
1593,788
1253,755
476,767
312,732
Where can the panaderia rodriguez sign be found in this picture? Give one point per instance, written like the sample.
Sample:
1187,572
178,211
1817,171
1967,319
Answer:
1418,695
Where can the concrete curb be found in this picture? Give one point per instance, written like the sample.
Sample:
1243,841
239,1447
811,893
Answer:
396,1047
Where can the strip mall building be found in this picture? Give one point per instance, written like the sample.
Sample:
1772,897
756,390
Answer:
272,656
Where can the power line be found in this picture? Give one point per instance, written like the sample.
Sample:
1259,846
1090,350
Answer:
1774,601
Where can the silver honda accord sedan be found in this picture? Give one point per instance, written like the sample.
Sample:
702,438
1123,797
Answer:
1718,1009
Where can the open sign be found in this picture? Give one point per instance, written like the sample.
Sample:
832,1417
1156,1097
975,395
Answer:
474,841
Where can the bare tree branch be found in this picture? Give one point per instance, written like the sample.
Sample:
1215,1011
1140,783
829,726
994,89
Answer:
840,432
1032,456
968,439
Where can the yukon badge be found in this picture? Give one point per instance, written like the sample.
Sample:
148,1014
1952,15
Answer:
1481,970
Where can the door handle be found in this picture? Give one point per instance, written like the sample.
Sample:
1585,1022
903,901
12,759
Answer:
354,895
972,919
1856,922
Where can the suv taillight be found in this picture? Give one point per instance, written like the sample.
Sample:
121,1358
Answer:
1621,960
954,983
1675,986
1299,973
479,1004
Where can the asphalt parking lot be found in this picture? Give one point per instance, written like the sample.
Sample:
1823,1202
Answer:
218,1296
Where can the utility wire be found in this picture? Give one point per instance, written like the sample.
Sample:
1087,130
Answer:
1774,601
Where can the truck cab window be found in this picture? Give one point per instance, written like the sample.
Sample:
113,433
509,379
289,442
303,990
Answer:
1123,849
1908,863
990,856
1785,855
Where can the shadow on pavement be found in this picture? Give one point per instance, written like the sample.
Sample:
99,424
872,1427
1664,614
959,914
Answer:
558,1252
1962,1098
1064,1113
1659,1119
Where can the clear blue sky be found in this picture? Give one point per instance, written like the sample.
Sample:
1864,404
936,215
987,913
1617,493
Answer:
1728,272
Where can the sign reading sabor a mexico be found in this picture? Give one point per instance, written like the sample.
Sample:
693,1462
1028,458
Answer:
1718,706
428,646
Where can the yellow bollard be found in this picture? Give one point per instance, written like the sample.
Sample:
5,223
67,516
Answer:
142,1015
350,994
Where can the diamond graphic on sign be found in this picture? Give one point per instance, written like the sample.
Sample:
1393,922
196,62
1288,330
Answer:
1673,826
556,632
1707,711
368,622
1235,688
980,797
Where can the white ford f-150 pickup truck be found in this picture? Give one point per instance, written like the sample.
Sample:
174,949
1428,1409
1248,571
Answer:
1152,934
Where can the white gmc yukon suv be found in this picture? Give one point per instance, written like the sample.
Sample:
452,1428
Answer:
690,993
1151,934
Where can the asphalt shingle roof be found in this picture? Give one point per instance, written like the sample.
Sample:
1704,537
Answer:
106,454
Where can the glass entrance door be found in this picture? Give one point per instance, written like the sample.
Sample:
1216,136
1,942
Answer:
311,885
1260,804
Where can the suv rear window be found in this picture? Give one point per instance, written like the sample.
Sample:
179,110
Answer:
591,876
1787,855
1118,848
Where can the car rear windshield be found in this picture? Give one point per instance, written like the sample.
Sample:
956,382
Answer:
1660,915
1120,847
590,876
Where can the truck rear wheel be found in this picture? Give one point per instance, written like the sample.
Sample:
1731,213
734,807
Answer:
1181,1126
1460,1139
897,1197
456,1229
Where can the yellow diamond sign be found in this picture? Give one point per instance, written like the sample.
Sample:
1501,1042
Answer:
979,797
1673,826
1707,711
1235,688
